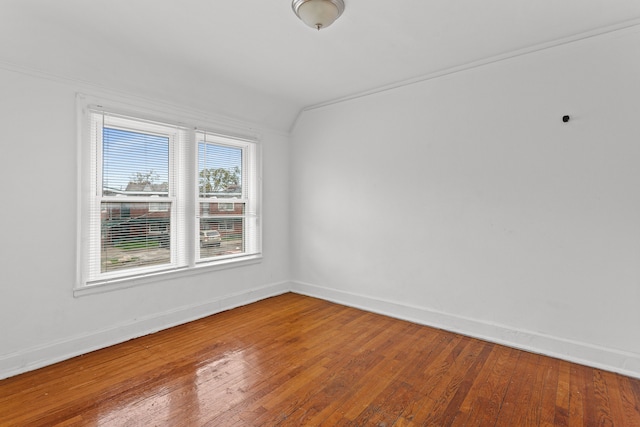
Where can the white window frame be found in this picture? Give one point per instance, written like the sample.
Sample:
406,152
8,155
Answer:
249,196
183,196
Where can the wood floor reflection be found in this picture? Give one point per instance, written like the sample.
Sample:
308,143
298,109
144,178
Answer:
292,360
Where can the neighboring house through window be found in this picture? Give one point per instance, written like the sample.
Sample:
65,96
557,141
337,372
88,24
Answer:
226,207
226,225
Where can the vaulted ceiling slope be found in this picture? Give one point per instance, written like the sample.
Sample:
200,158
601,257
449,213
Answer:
254,60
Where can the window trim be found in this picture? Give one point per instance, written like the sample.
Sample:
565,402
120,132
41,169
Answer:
158,276
186,195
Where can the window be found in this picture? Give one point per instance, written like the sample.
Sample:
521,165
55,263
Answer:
139,215
226,171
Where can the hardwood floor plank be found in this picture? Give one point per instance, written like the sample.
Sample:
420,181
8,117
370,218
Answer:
293,360
375,382
630,400
601,399
510,402
548,391
453,407
338,383
487,394
446,385
614,398
577,395
478,388
526,408
419,371
535,415
561,416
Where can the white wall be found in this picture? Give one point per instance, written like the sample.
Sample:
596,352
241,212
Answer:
465,202
40,320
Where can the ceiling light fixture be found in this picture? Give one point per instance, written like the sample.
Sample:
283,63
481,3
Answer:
318,13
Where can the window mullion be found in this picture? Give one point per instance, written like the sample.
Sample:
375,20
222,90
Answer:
187,167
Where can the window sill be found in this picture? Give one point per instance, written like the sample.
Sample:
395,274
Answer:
144,279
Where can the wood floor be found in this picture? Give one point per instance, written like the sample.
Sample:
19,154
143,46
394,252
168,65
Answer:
297,361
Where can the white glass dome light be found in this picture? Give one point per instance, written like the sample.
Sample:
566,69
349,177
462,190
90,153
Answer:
318,13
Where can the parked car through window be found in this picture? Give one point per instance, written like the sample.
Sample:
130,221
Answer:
210,238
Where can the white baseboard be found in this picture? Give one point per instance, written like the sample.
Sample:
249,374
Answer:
53,352
608,359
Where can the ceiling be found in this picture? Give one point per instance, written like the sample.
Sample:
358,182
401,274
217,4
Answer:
254,60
